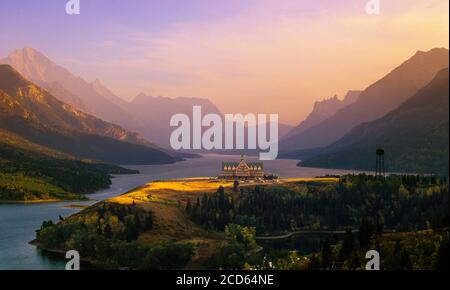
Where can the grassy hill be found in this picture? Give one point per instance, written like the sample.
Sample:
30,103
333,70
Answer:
148,219
30,172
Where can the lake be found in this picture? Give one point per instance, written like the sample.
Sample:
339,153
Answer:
18,223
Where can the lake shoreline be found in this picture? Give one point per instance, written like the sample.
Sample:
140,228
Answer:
43,201
57,252
20,219
36,201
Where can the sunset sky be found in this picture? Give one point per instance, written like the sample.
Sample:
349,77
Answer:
259,56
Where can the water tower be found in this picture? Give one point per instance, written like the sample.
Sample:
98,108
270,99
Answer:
379,166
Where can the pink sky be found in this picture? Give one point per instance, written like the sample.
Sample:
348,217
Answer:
259,56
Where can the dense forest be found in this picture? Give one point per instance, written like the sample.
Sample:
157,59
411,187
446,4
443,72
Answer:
405,218
106,235
402,203
422,250
419,250
30,172
414,208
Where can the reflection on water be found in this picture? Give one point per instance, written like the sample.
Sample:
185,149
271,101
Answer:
18,223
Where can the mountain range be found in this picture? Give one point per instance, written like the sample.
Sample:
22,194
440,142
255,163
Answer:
51,107
374,102
146,115
415,136
323,110
62,84
155,113
34,114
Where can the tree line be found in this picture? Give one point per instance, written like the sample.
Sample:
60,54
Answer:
404,203
106,235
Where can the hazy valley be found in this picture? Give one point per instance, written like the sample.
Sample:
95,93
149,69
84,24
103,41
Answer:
63,138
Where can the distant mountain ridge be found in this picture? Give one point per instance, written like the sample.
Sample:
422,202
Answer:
102,90
146,115
36,115
39,69
415,136
375,101
156,112
324,109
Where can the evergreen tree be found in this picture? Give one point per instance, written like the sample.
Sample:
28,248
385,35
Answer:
314,262
443,254
107,232
366,230
189,207
348,245
327,255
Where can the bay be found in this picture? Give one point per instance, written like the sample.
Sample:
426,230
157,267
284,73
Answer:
18,222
